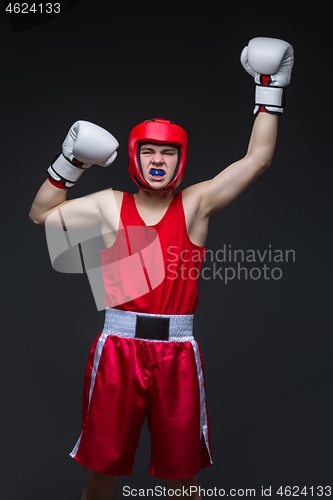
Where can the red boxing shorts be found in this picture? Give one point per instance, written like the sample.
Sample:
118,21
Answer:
145,364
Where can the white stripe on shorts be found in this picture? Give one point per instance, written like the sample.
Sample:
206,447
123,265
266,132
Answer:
203,412
97,357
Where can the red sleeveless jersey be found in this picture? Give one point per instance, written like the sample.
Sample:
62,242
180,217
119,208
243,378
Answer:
152,269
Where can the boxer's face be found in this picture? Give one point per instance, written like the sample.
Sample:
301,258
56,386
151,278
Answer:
162,157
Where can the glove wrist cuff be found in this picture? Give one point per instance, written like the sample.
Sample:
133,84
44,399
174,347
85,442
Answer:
62,169
272,99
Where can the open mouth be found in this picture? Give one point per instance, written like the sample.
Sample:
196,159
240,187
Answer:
156,173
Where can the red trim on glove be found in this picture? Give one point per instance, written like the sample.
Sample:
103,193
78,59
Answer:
265,81
77,162
58,184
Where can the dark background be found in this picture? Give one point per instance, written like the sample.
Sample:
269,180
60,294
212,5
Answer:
267,344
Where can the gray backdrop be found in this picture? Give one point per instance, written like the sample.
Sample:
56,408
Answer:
266,343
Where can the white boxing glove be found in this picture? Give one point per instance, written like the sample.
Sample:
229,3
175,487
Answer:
274,59
86,144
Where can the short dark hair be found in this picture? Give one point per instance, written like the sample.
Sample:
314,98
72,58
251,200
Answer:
153,119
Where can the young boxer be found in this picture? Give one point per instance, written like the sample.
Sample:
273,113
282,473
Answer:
146,361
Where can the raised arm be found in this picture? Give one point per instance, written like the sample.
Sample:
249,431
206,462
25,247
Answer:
84,145
78,213
270,62
225,187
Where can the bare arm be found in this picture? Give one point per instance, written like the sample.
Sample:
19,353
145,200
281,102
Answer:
78,213
47,199
85,144
269,61
225,187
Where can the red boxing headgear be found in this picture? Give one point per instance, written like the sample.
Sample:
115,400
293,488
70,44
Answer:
159,131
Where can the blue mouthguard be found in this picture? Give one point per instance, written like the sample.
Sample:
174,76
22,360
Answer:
157,172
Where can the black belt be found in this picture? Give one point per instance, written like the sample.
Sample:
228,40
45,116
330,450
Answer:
151,328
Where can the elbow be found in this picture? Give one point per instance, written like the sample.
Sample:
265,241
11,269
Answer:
36,220
260,161
259,166
262,168
266,165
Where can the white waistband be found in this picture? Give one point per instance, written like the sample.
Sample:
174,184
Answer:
123,324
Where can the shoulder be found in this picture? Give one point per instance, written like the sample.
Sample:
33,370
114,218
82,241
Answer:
193,197
107,196
109,203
